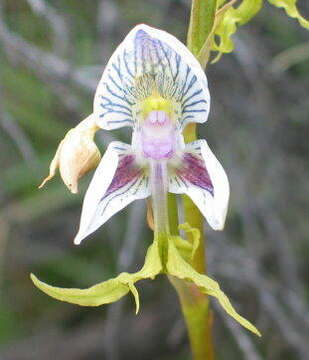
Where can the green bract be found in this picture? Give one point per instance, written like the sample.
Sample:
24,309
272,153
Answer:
290,8
231,19
223,23
176,263
107,291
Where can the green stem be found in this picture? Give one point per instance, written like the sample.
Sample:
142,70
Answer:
198,319
194,304
201,23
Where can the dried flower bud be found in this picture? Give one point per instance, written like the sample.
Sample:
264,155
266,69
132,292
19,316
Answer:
76,154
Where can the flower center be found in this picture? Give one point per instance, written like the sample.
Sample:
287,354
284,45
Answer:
158,136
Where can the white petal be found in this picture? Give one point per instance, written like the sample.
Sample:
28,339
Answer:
102,201
147,50
212,205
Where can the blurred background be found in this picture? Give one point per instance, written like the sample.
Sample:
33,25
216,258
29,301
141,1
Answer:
52,54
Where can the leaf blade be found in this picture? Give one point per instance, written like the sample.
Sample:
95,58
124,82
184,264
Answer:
291,10
178,267
107,291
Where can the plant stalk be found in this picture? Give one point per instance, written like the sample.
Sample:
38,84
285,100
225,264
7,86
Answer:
194,304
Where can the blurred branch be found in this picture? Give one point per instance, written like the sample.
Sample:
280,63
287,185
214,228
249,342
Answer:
57,24
241,337
271,303
288,330
53,70
4,237
290,57
283,250
15,132
39,204
85,341
11,127
125,260
107,23
42,63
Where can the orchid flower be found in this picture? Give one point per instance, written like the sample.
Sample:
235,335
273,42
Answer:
153,84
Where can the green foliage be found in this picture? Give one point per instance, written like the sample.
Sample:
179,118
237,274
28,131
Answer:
179,253
291,9
186,248
230,20
201,24
221,21
181,269
108,291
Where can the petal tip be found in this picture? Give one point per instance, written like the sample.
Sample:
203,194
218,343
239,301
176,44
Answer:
73,187
77,240
44,181
217,221
34,279
218,226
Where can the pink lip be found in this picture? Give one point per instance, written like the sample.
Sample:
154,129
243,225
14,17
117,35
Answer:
158,136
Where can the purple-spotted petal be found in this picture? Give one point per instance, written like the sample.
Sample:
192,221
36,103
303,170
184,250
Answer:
145,58
201,177
117,182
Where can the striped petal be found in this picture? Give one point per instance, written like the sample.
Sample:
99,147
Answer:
146,58
203,179
117,182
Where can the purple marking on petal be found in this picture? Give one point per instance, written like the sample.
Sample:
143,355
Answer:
194,171
126,171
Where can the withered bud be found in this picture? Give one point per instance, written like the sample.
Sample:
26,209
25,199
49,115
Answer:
77,154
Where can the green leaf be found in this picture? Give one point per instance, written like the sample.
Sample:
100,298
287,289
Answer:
231,19
228,18
193,234
179,268
247,10
103,293
208,46
290,8
108,291
187,248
